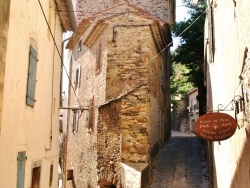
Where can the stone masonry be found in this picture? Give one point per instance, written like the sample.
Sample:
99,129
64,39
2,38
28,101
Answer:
117,130
160,8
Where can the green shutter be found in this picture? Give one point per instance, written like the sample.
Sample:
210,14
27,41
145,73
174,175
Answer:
21,158
31,84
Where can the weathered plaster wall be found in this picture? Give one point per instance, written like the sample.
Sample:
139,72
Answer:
25,128
4,28
231,27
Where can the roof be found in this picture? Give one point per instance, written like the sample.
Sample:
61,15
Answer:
66,14
192,91
118,10
80,29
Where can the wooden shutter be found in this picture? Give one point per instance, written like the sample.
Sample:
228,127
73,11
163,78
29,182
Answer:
78,77
31,83
92,114
98,59
75,121
21,158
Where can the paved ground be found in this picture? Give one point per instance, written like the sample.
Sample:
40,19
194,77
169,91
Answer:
181,163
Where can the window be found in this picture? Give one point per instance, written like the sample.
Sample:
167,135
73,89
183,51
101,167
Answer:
98,59
79,48
51,176
91,121
78,77
75,121
21,158
36,177
70,175
31,82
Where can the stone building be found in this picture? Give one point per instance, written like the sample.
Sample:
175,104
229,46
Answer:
227,77
193,108
185,114
30,72
121,103
179,114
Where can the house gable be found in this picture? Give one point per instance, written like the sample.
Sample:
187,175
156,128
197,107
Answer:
125,14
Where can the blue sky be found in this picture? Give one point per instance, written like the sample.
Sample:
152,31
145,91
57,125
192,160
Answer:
181,14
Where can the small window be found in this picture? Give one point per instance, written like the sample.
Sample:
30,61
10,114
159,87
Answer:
51,176
78,77
75,121
31,82
98,59
91,121
36,177
70,175
79,48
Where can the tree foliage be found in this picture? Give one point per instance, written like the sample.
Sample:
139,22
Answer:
179,84
190,50
179,80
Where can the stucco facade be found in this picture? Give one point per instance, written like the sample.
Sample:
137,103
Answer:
122,90
227,78
193,108
30,92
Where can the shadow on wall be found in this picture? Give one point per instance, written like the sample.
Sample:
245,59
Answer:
241,177
179,115
210,153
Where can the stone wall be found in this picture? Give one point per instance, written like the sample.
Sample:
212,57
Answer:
159,8
122,92
109,144
82,145
125,75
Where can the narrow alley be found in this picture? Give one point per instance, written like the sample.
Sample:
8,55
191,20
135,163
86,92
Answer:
181,163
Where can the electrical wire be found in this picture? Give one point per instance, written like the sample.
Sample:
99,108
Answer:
165,46
58,52
177,37
151,60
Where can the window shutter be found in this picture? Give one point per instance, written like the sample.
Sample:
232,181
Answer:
78,77
75,121
21,158
31,83
92,114
98,59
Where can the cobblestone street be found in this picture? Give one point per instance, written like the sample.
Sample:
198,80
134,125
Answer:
181,163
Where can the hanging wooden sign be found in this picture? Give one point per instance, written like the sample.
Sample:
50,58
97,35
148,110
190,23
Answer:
215,126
